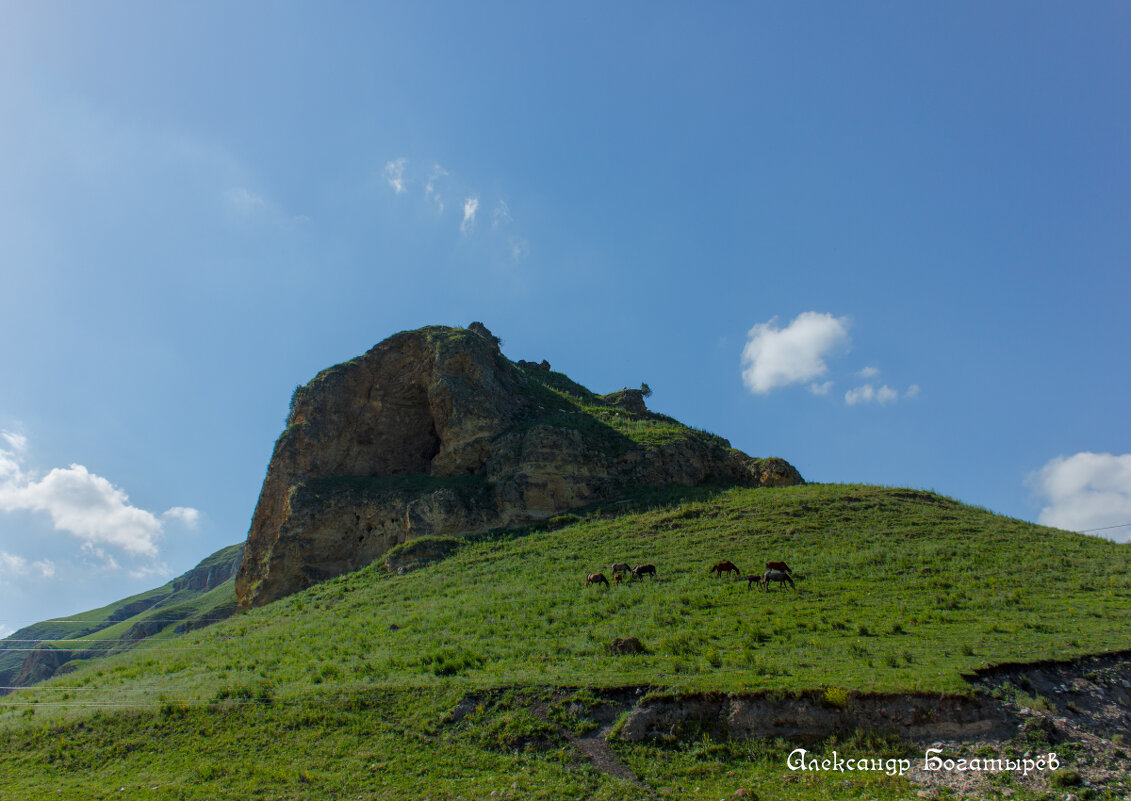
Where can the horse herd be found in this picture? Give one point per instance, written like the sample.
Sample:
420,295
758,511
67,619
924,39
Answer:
775,571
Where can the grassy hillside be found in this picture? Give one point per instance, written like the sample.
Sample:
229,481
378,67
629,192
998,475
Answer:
343,689
159,613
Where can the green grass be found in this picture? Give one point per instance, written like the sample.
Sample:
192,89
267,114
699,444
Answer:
97,629
896,590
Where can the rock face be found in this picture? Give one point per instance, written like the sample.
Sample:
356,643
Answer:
435,432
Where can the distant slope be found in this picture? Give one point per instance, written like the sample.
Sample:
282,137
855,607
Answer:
201,595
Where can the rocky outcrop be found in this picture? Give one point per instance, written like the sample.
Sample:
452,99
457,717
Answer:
40,665
916,716
435,432
210,573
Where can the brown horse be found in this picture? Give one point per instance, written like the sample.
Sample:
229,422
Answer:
725,567
752,580
644,570
782,566
620,567
596,578
779,576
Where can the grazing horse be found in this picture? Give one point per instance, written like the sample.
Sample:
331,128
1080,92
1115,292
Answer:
596,578
782,566
620,567
725,567
752,580
618,578
644,570
781,577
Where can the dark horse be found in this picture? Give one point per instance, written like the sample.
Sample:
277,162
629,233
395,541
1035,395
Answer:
596,578
644,570
779,576
725,567
620,567
782,566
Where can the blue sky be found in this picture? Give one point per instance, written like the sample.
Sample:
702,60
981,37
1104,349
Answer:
888,242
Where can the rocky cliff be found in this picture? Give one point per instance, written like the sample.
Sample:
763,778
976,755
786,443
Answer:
435,432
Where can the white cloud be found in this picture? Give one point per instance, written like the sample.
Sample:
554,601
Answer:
10,563
394,174
869,372
17,442
16,565
470,205
85,505
189,517
912,391
776,357
869,394
88,506
821,389
1086,491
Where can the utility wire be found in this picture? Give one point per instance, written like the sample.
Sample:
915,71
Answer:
1105,528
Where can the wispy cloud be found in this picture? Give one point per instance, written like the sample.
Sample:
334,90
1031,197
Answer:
869,394
394,174
501,215
430,190
246,206
912,391
1086,491
777,357
470,206
244,202
84,505
503,235
13,564
868,372
519,247
821,389
17,442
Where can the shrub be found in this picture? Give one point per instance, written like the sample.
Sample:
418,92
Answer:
1065,778
836,697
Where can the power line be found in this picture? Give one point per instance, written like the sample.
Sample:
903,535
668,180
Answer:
1105,528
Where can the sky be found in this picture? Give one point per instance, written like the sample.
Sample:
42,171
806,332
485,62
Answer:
888,242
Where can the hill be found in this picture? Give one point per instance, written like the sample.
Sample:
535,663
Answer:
487,673
435,432
200,596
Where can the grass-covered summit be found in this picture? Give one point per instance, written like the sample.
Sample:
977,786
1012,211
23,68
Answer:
435,432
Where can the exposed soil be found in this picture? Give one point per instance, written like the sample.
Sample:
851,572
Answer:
1079,710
